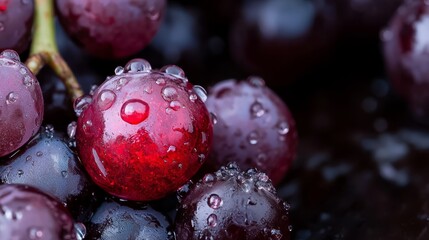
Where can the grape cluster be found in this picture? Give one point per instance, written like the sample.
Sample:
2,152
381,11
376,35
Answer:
145,133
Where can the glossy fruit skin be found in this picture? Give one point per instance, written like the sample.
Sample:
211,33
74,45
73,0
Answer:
113,220
110,28
21,103
230,204
47,163
145,133
16,22
282,39
254,127
405,55
28,213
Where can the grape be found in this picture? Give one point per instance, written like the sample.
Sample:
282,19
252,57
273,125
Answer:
21,103
16,22
111,28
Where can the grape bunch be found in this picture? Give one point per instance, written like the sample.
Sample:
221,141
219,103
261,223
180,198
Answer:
146,133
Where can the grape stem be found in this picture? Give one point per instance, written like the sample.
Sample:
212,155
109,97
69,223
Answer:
44,50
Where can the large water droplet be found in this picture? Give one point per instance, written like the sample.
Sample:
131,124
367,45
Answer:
257,110
106,98
138,65
212,220
119,70
134,111
214,201
80,231
169,93
174,70
10,54
201,92
71,130
11,97
80,104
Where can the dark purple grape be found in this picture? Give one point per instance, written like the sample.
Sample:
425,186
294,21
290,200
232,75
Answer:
110,28
230,204
281,39
406,56
16,22
28,213
21,103
48,164
254,127
114,220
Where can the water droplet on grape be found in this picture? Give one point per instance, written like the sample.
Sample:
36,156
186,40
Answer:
175,105
212,220
10,54
64,174
80,231
71,130
119,70
169,93
80,104
253,137
283,128
208,178
174,71
214,201
39,154
20,173
138,65
134,111
201,158
201,92
257,110
213,118
28,80
193,97
11,97
171,149
256,81
35,233
106,99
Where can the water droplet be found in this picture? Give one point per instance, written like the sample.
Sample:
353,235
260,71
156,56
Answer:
49,131
119,70
283,128
1,26
169,93
286,206
257,110
214,118
92,90
201,158
20,173
212,220
208,178
28,158
28,80
64,174
71,130
256,81
175,105
251,201
39,154
193,97
80,230
138,65
23,71
106,99
134,111
253,137
184,190
276,234
174,70
11,97
35,233
148,88
10,54
171,149
120,83
214,201
263,177
290,227
80,104
201,92
180,166
160,81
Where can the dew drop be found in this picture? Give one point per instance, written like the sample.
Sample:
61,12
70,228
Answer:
256,81
201,158
1,26
119,70
49,131
148,88
23,71
253,137
160,81
80,230
121,82
71,130
39,154
20,173
28,80
169,93
81,104
201,92
175,105
214,201
212,220
257,110
251,201
106,98
35,233
134,111
290,227
208,178
174,71
171,148
276,234
11,97
282,128
64,174
10,54
213,118
138,65
193,97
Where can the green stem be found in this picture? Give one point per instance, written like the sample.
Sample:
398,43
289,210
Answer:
44,48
